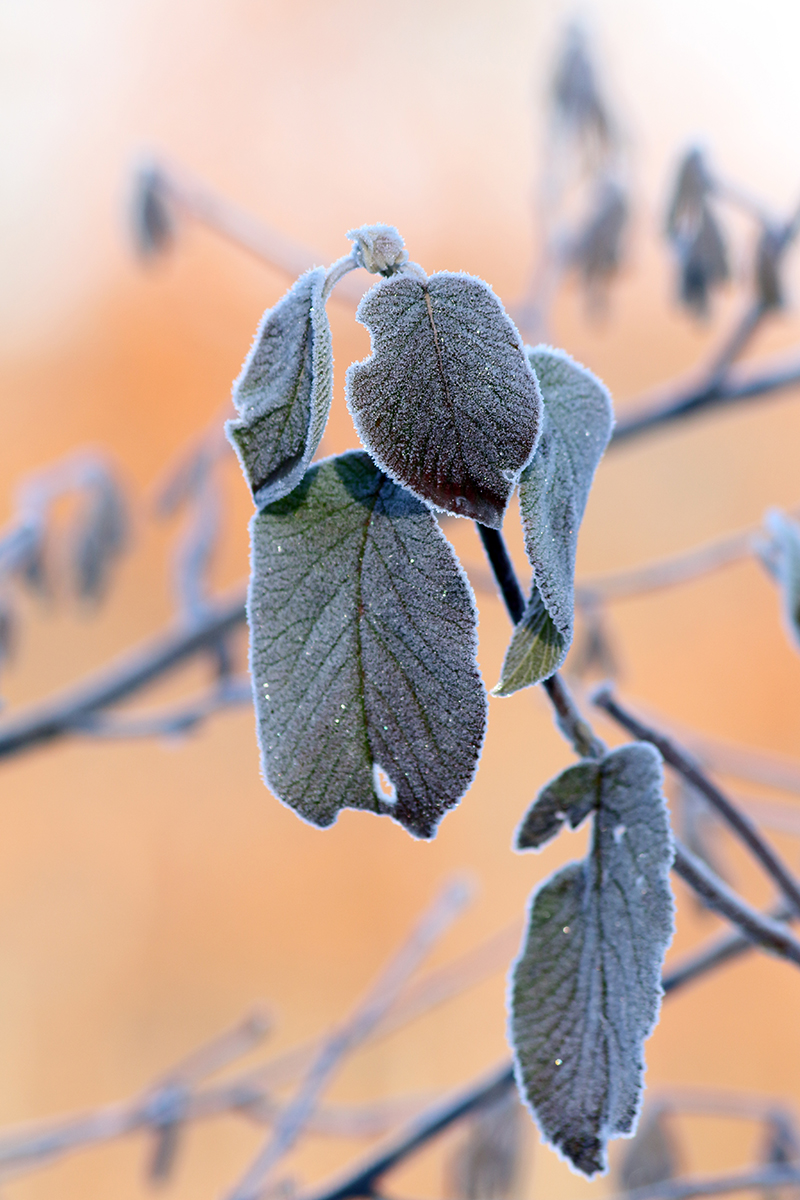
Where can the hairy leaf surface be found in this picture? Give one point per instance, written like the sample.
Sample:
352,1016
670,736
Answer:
363,639
284,392
587,986
553,491
447,403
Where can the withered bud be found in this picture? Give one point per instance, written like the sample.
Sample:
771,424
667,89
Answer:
379,248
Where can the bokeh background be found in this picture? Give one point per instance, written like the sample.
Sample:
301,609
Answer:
151,893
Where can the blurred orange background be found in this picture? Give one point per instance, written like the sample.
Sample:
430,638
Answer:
150,893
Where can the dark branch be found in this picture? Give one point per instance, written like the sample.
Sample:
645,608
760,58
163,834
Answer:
770,934
69,712
683,764
722,950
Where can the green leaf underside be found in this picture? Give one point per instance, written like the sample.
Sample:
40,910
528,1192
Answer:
587,987
536,650
447,403
363,641
553,490
284,392
571,796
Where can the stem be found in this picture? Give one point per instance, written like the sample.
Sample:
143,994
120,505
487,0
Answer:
568,718
770,934
722,950
680,761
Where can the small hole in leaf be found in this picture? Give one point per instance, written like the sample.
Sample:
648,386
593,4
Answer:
384,787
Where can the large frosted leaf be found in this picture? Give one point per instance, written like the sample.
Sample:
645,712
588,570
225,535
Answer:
363,638
553,490
447,403
587,986
284,392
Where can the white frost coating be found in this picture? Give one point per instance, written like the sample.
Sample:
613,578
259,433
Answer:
379,248
553,490
284,391
586,988
447,403
365,627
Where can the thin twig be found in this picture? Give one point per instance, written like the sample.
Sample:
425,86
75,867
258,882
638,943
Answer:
379,1000
770,934
172,722
689,770
196,199
568,718
722,950
66,713
716,1185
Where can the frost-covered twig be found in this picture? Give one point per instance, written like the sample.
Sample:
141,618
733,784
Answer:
716,1185
770,934
680,761
179,191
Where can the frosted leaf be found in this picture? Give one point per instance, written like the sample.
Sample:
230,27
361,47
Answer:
553,491
362,651
284,392
587,986
379,248
447,403
571,796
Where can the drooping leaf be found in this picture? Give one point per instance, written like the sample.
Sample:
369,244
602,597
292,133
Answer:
587,986
575,94
284,392
652,1156
688,199
704,262
597,249
553,491
152,221
363,640
571,796
769,253
447,403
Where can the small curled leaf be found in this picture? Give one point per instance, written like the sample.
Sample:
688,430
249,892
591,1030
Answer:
447,404
284,392
570,797
553,491
379,248
363,640
587,986
575,94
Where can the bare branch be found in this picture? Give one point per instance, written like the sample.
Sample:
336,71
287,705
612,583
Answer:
378,1002
768,933
680,761
191,197
722,950
67,713
717,1185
